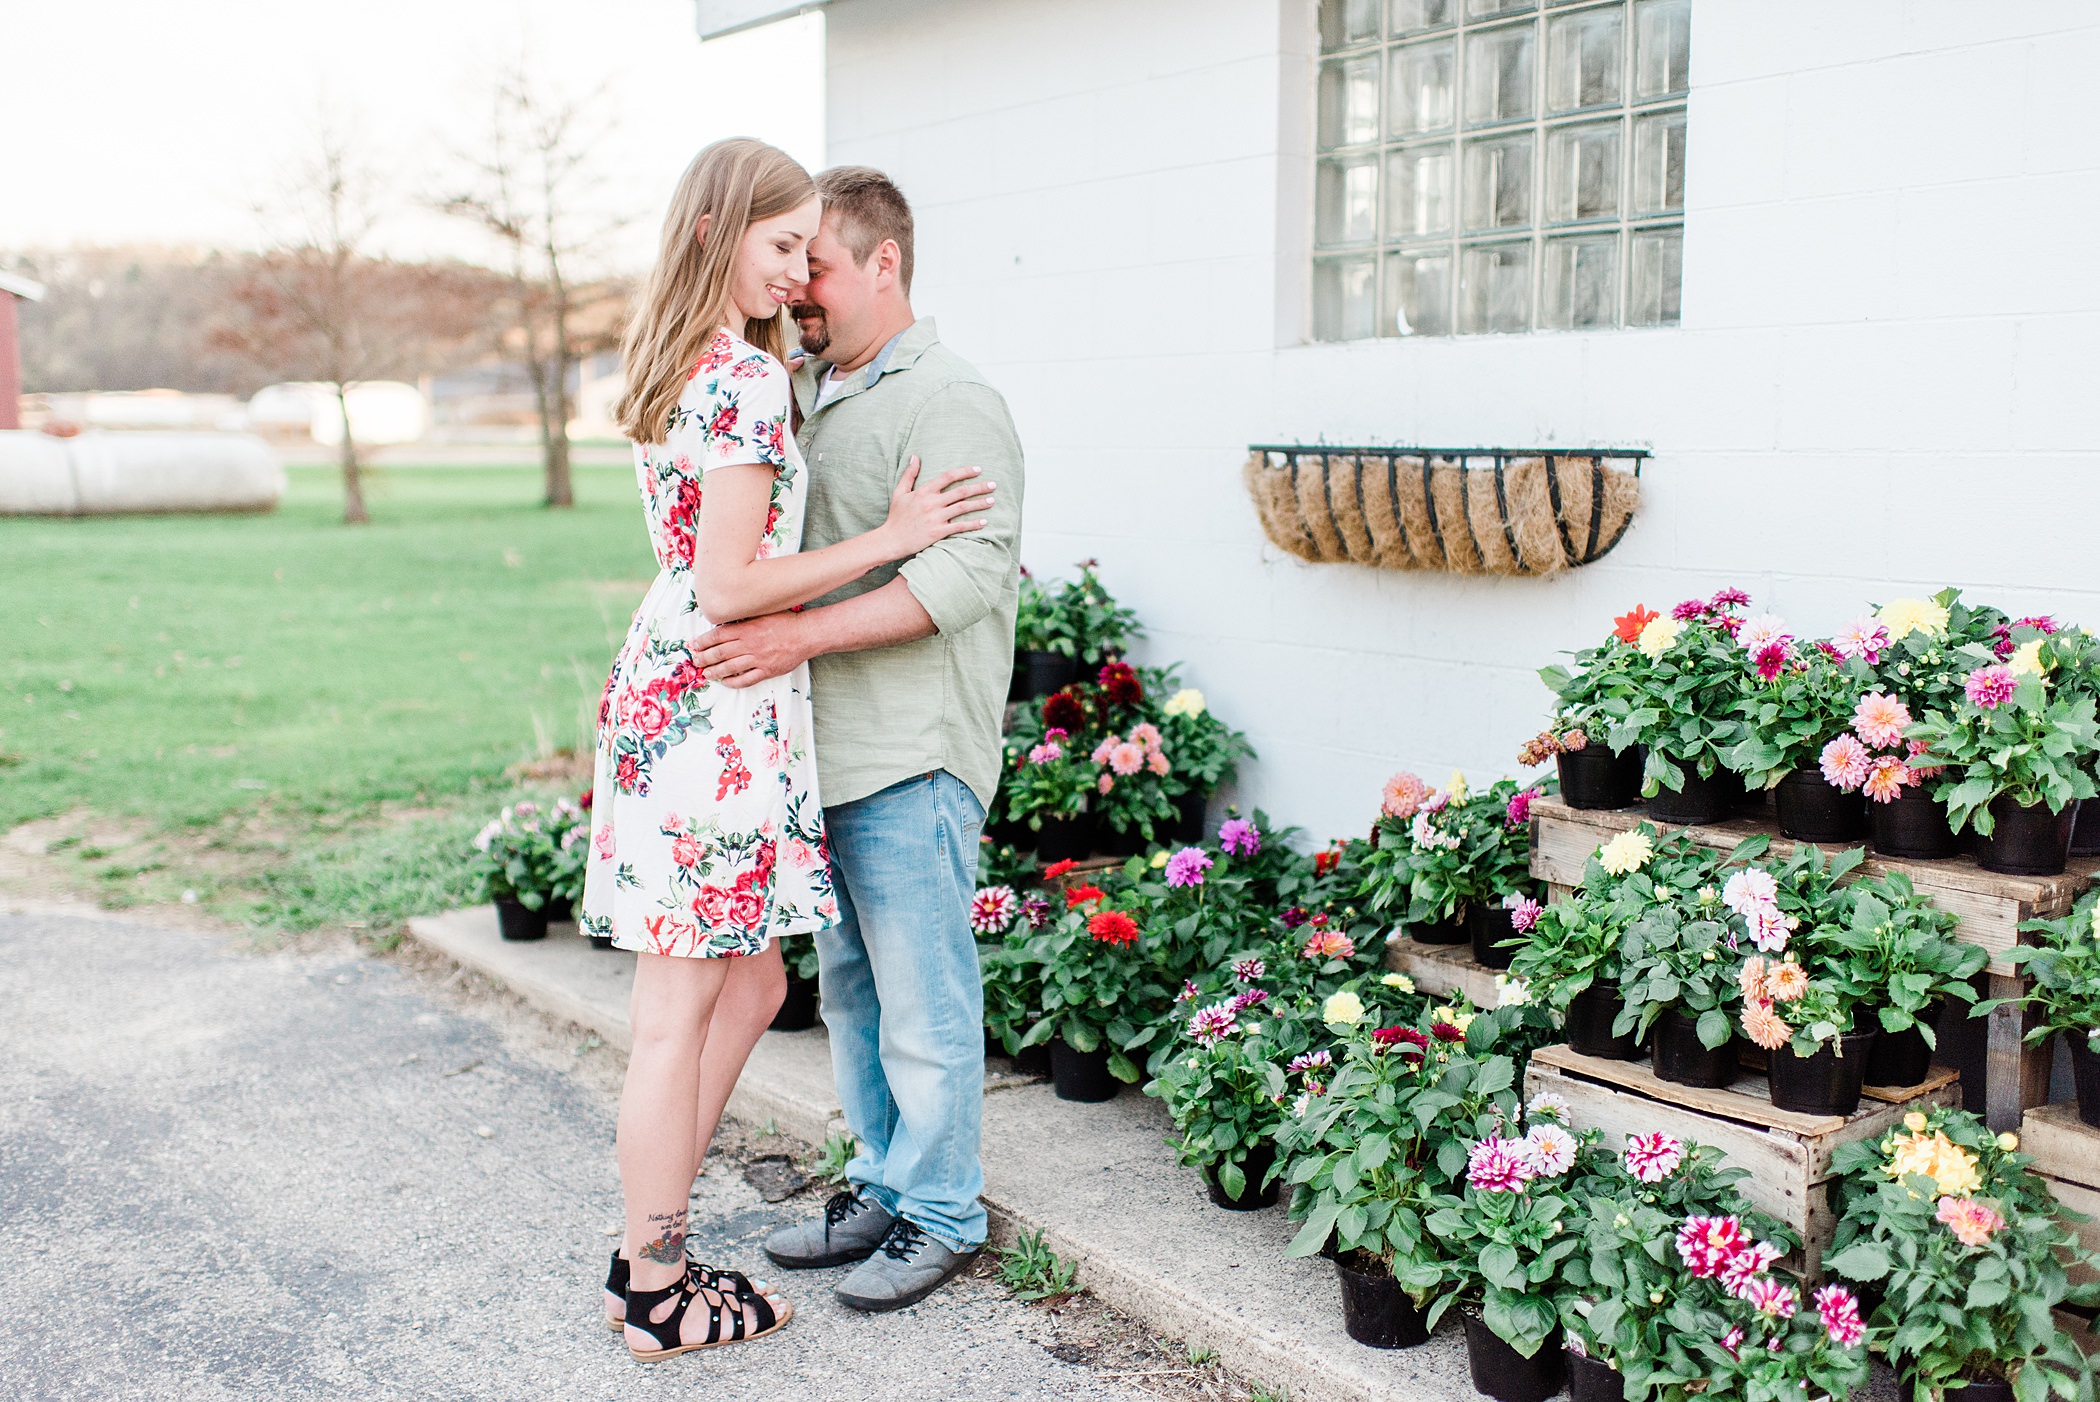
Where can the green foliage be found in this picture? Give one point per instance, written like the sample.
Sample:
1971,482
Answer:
1032,1271
1953,1311
1080,619
1922,667
533,854
1203,749
2034,749
1429,867
1791,717
1502,1254
829,1165
1094,991
1901,948
2064,965
1685,704
376,877
1225,1081
1600,674
1686,949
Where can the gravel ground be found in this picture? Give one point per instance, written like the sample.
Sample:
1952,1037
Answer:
312,1173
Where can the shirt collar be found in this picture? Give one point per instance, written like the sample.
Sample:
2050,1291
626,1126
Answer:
900,352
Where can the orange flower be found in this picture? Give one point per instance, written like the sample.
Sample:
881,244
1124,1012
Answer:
1751,979
1764,1027
1057,869
1080,895
1786,982
1113,927
1627,626
1971,1221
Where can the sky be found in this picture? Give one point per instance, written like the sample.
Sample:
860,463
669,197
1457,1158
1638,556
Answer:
141,121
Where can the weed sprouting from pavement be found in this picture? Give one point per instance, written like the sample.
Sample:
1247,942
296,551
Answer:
1032,1271
829,1166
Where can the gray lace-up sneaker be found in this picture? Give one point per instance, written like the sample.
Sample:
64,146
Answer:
851,1228
910,1266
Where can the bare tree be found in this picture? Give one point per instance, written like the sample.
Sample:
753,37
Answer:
532,188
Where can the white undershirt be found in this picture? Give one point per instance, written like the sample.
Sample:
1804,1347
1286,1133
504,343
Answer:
828,388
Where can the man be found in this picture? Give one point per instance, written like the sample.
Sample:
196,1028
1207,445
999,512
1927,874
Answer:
909,670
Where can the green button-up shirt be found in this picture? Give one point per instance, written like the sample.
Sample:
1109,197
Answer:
891,713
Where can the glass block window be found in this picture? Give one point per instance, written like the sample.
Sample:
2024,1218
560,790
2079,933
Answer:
1499,165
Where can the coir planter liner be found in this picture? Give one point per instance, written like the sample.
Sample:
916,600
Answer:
1260,1159
1501,1372
1701,800
517,923
1812,809
1914,824
1082,1076
2085,1072
1487,926
1452,931
1681,1057
2026,839
1375,1309
1594,777
1590,1016
1590,1380
1826,1083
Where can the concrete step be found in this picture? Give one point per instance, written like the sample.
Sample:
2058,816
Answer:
1099,1181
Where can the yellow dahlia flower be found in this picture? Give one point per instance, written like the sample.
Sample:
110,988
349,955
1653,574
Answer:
1951,1167
1456,787
2027,659
1904,616
1628,852
2009,1142
1186,702
1343,1008
1657,636
1399,981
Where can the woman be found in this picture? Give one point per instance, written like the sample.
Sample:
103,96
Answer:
708,833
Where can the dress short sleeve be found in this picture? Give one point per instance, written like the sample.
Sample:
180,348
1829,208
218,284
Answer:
735,411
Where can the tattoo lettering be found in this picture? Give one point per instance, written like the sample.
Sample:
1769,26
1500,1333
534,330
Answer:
668,1246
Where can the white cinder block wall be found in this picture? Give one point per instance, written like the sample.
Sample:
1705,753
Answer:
1883,381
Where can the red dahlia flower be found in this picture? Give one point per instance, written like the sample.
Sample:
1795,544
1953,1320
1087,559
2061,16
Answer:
1445,1032
1627,626
1113,927
1057,869
1080,895
1064,711
1120,681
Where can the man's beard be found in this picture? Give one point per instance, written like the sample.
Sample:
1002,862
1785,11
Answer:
814,335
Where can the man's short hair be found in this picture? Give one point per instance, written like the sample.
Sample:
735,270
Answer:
870,209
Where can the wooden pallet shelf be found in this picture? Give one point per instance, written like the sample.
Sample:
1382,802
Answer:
1787,1153
1990,907
1443,970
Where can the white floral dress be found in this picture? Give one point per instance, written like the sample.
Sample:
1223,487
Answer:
707,835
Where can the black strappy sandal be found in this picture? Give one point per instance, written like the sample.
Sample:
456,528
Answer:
616,1274
727,1320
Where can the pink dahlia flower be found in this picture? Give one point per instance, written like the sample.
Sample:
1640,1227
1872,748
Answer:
993,909
1310,1061
1552,1148
1741,1269
1729,598
1127,759
1523,912
1188,991
1771,659
1146,733
1156,761
1403,794
1247,998
1519,811
1769,929
1990,687
1705,1244
1880,719
1846,762
1866,638
1887,779
1838,1308
1105,783
1689,610
1329,944
1650,1158
1733,1340
1046,752
1771,1298
1971,1222
1239,837
1249,970
1500,1166
1213,1022
1186,867
1921,771
1106,748
1748,889
1761,632
2040,622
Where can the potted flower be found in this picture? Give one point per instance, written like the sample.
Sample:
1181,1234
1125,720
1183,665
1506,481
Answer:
1204,750
1502,1240
2016,754
1873,758
1049,790
1374,1138
1798,700
1497,842
1131,766
1573,950
1680,958
569,825
1448,852
1630,1306
1592,774
522,864
1911,964
1963,1240
1683,702
1094,976
1013,981
1920,673
1784,1342
2064,996
1225,1087
1041,665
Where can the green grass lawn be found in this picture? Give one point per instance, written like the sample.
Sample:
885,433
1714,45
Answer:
186,670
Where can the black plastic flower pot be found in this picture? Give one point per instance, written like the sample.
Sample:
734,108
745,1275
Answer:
560,910
2026,839
518,923
1901,1058
1082,1076
1824,1084
1260,1159
1503,1373
1978,1390
1701,800
1914,824
1375,1309
1591,1380
1127,842
601,941
1594,777
1812,809
1033,1061
2085,1074
1681,1057
1065,839
2085,831
798,1011
1452,931
1590,1016
1487,926
1744,799
1037,674
1188,816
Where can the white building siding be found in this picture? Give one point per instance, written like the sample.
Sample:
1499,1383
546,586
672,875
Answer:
1891,336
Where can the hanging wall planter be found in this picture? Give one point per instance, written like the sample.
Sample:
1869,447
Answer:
1465,510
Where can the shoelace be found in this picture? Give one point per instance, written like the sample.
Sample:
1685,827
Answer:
839,1206
903,1242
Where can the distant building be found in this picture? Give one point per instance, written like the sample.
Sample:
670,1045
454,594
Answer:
13,286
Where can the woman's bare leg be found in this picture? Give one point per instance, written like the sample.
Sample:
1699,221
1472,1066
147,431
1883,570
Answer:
751,994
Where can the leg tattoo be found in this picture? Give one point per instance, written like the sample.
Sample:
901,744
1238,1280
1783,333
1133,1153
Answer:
668,1246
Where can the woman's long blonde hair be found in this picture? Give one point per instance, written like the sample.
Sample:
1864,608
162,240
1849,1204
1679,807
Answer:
738,182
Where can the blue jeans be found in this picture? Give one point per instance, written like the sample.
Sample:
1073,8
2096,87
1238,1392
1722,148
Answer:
904,1001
